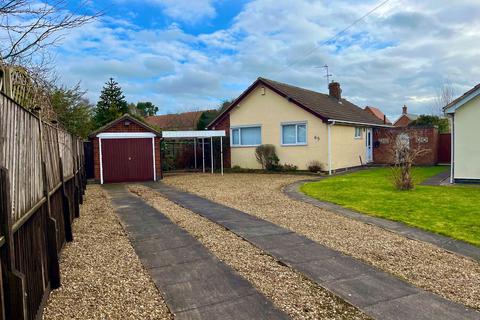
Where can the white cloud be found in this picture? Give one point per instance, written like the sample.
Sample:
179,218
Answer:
398,55
187,10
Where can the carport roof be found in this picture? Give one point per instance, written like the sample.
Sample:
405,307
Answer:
193,134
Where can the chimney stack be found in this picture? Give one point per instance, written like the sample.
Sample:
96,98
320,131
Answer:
334,90
404,109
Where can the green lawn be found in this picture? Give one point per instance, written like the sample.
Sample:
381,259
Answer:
451,211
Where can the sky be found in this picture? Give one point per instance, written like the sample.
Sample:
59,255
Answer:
191,55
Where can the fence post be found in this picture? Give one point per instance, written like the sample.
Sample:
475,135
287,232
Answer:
14,281
52,247
66,207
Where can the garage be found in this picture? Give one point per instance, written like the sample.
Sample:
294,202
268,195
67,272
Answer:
126,150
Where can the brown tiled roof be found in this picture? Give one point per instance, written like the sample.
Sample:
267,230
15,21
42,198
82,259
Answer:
377,113
177,121
321,105
461,97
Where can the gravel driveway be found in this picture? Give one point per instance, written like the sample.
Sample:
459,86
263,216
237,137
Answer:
429,267
288,290
102,277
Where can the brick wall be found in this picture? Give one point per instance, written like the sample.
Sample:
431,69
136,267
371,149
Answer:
121,127
224,124
383,138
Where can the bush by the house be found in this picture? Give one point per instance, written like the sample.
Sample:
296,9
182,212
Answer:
289,167
266,156
314,166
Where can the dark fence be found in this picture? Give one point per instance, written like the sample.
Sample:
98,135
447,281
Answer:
444,148
42,182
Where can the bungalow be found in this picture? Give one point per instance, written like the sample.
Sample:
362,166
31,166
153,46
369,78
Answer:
303,125
464,113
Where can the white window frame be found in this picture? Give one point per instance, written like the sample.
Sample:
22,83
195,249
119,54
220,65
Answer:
361,133
240,145
296,123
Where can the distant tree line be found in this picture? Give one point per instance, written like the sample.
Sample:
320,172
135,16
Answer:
80,117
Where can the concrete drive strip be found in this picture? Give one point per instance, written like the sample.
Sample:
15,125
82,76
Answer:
446,243
373,291
195,284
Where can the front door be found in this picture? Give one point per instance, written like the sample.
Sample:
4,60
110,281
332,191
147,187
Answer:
368,141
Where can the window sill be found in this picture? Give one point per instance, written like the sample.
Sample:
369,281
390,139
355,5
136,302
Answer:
245,146
294,145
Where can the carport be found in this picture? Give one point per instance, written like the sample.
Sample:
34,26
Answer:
200,135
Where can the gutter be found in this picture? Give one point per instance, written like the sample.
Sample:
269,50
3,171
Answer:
361,123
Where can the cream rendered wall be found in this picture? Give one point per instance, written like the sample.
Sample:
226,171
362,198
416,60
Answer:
269,111
466,141
346,149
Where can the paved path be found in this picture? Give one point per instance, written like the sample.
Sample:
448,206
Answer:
438,179
373,291
195,284
449,244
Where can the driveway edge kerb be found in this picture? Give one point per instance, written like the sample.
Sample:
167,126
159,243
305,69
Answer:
448,244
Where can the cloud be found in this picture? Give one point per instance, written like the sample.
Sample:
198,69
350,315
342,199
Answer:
186,10
401,54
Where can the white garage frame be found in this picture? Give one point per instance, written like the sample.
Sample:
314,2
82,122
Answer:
125,135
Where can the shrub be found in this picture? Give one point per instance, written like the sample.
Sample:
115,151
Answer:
314,166
289,167
267,157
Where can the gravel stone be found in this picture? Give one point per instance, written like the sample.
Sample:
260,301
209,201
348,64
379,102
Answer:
102,277
288,290
429,267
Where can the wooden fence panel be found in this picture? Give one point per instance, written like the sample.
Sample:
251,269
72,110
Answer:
21,155
51,155
41,183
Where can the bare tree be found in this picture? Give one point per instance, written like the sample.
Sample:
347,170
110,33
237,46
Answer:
27,27
404,147
444,95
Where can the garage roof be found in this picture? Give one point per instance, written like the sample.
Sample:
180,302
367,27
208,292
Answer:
123,118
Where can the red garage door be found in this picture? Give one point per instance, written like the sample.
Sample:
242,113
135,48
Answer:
125,160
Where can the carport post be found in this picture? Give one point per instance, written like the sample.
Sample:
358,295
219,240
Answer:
195,151
221,154
203,154
211,152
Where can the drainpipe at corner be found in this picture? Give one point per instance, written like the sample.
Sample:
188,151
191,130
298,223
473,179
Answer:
329,134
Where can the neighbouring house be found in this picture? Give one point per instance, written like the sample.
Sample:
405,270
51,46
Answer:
464,113
177,122
405,119
126,150
378,113
302,124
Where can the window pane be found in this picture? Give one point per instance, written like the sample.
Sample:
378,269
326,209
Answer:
288,134
358,132
251,136
235,136
301,133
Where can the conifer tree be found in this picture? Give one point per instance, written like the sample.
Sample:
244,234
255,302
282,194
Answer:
112,103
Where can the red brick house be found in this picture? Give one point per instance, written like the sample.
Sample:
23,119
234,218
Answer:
377,113
405,119
126,150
